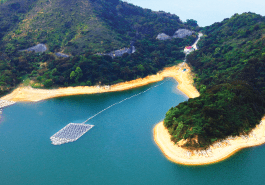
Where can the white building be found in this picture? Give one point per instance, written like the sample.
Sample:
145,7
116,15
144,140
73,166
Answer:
188,49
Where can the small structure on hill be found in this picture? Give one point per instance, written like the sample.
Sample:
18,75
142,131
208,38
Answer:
162,36
39,48
182,33
61,55
120,52
188,49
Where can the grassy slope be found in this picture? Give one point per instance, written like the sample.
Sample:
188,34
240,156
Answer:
59,24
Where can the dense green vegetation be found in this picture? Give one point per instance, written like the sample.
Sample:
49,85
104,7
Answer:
89,69
230,75
82,29
223,110
78,26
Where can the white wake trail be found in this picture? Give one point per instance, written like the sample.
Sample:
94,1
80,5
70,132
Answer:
123,101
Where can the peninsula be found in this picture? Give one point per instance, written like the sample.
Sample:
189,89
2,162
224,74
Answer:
229,68
217,152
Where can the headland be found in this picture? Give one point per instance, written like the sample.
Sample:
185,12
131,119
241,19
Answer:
217,152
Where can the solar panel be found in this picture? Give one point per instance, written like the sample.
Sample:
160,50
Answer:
74,131
70,133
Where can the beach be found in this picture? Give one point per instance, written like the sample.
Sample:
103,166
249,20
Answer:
217,152
29,94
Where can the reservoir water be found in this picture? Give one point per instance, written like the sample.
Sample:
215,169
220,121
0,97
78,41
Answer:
119,149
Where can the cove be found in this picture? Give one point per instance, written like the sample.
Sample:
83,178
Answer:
118,150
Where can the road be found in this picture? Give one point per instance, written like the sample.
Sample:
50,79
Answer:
195,44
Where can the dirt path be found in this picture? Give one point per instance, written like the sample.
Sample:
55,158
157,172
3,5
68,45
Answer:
195,44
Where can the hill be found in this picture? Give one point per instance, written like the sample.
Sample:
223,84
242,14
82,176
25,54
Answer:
83,30
229,69
78,26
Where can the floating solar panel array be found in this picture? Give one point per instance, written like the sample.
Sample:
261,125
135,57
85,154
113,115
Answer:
70,133
74,131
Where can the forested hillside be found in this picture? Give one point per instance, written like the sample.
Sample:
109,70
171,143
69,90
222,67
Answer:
77,26
230,74
83,29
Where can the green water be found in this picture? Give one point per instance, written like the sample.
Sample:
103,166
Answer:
118,150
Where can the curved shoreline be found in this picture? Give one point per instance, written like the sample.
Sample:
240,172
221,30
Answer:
216,153
28,94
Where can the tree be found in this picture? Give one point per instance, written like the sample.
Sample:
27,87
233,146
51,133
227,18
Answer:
72,75
141,68
88,83
78,74
54,71
191,22
48,83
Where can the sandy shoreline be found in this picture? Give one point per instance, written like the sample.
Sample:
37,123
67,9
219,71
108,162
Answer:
28,94
216,153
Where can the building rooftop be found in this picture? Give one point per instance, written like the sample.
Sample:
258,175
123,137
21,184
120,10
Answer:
189,47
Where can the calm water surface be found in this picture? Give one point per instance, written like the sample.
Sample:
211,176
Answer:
118,150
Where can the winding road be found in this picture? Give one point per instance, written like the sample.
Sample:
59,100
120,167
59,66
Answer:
195,44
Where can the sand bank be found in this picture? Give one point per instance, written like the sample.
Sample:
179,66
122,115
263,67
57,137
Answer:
22,94
215,153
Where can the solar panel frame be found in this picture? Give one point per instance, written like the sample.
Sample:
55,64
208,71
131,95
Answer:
70,133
